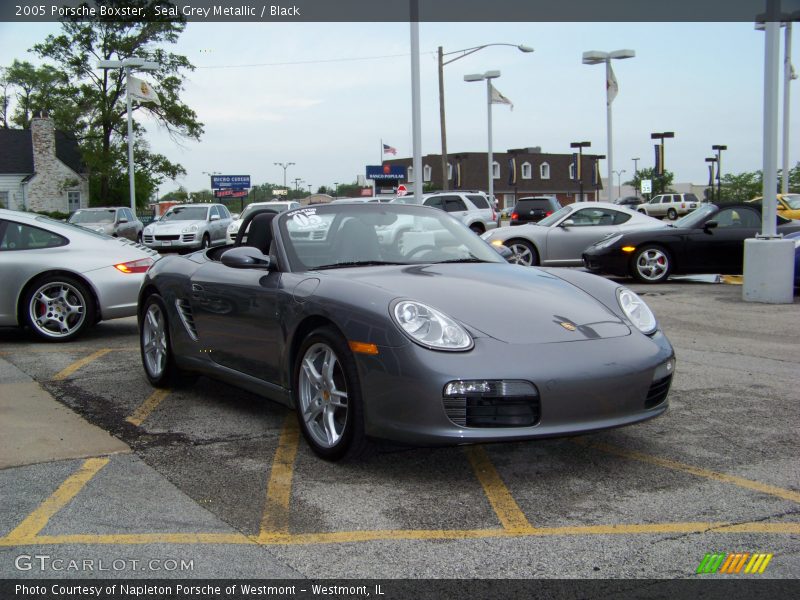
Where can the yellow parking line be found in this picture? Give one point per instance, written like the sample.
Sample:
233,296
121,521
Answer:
37,520
757,486
732,279
148,406
275,518
503,503
343,537
63,348
63,374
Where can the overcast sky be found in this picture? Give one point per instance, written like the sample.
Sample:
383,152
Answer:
324,95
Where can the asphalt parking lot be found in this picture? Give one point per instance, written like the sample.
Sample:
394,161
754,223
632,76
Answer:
220,478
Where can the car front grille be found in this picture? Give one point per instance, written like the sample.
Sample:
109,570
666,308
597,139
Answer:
167,238
187,318
148,238
658,391
506,404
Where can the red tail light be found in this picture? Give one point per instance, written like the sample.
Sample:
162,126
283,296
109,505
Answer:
135,266
494,215
514,216
548,213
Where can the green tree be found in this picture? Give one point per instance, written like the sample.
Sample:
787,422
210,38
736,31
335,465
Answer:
660,184
99,95
739,187
37,89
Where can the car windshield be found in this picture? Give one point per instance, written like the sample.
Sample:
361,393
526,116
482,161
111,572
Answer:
93,216
368,234
186,213
67,227
555,217
697,216
793,200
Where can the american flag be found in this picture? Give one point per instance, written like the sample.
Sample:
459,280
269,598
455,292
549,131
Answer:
387,149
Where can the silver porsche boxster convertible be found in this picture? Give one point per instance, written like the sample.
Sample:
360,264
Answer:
380,321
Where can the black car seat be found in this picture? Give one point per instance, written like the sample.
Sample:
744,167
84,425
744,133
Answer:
356,241
259,234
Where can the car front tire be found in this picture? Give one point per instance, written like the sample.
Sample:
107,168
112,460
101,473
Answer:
672,214
156,347
524,253
651,264
206,242
327,396
58,308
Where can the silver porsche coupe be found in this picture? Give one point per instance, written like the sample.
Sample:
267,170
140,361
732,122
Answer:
397,336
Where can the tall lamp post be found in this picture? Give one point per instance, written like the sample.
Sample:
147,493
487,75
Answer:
128,64
442,63
579,167
488,76
335,190
660,164
635,173
297,182
285,166
719,148
595,57
619,181
711,160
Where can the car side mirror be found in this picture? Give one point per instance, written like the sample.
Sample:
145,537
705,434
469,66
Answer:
214,218
567,223
504,251
246,257
710,225
123,219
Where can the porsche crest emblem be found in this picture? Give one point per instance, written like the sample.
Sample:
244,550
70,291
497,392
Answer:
144,88
568,326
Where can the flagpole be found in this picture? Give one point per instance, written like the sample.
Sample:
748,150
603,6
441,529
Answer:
381,158
130,139
608,127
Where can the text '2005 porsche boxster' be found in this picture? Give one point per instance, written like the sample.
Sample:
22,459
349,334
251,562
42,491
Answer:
379,321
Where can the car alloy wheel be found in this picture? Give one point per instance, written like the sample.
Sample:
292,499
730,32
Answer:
672,214
651,265
523,253
59,308
155,349
327,396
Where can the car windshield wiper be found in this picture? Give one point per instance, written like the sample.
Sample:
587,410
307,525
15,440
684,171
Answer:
356,263
471,259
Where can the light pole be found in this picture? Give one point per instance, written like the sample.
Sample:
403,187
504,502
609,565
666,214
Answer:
309,188
297,182
127,64
719,148
488,76
595,57
579,167
285,166
335,190
442,63
711,160
660,163
635,173
619,182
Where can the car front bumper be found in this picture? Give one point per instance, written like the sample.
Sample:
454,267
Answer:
581,386
610,263
173,242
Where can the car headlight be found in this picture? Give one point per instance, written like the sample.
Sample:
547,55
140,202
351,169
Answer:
637,311
190,229
429,327
233,227
148,229
609,241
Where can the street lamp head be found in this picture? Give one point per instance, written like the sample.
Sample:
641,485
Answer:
473,77
524,48
619,54
718,147
661,136
580,144
711,159
594,57
491,74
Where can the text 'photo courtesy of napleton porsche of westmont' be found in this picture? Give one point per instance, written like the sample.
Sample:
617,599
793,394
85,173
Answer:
412,299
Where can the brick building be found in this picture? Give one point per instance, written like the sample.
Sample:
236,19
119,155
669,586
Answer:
517,173
41,169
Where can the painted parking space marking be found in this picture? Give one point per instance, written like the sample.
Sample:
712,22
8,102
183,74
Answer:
147,407
64,373
275,518
62,349
37,520
503,503
757,486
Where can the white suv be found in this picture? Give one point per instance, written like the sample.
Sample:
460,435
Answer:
471,208
670,206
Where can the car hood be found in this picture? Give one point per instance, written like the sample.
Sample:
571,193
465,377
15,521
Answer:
174,226
101,227
514,304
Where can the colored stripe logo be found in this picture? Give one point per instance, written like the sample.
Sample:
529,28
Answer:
733,563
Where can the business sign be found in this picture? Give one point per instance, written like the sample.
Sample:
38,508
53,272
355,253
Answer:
647,186
229,193
279,192
382,172
235,182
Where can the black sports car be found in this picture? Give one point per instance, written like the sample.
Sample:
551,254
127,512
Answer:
707,240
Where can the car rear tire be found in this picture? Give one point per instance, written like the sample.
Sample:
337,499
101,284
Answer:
644,212
478,229
155,345
327,396
58,308
651,264
139,238
672,214
524,253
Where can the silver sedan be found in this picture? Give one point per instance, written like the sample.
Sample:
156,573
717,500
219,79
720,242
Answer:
59,279
561,238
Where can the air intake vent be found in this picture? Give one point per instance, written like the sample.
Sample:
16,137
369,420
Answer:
658,391
187,318
492,403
